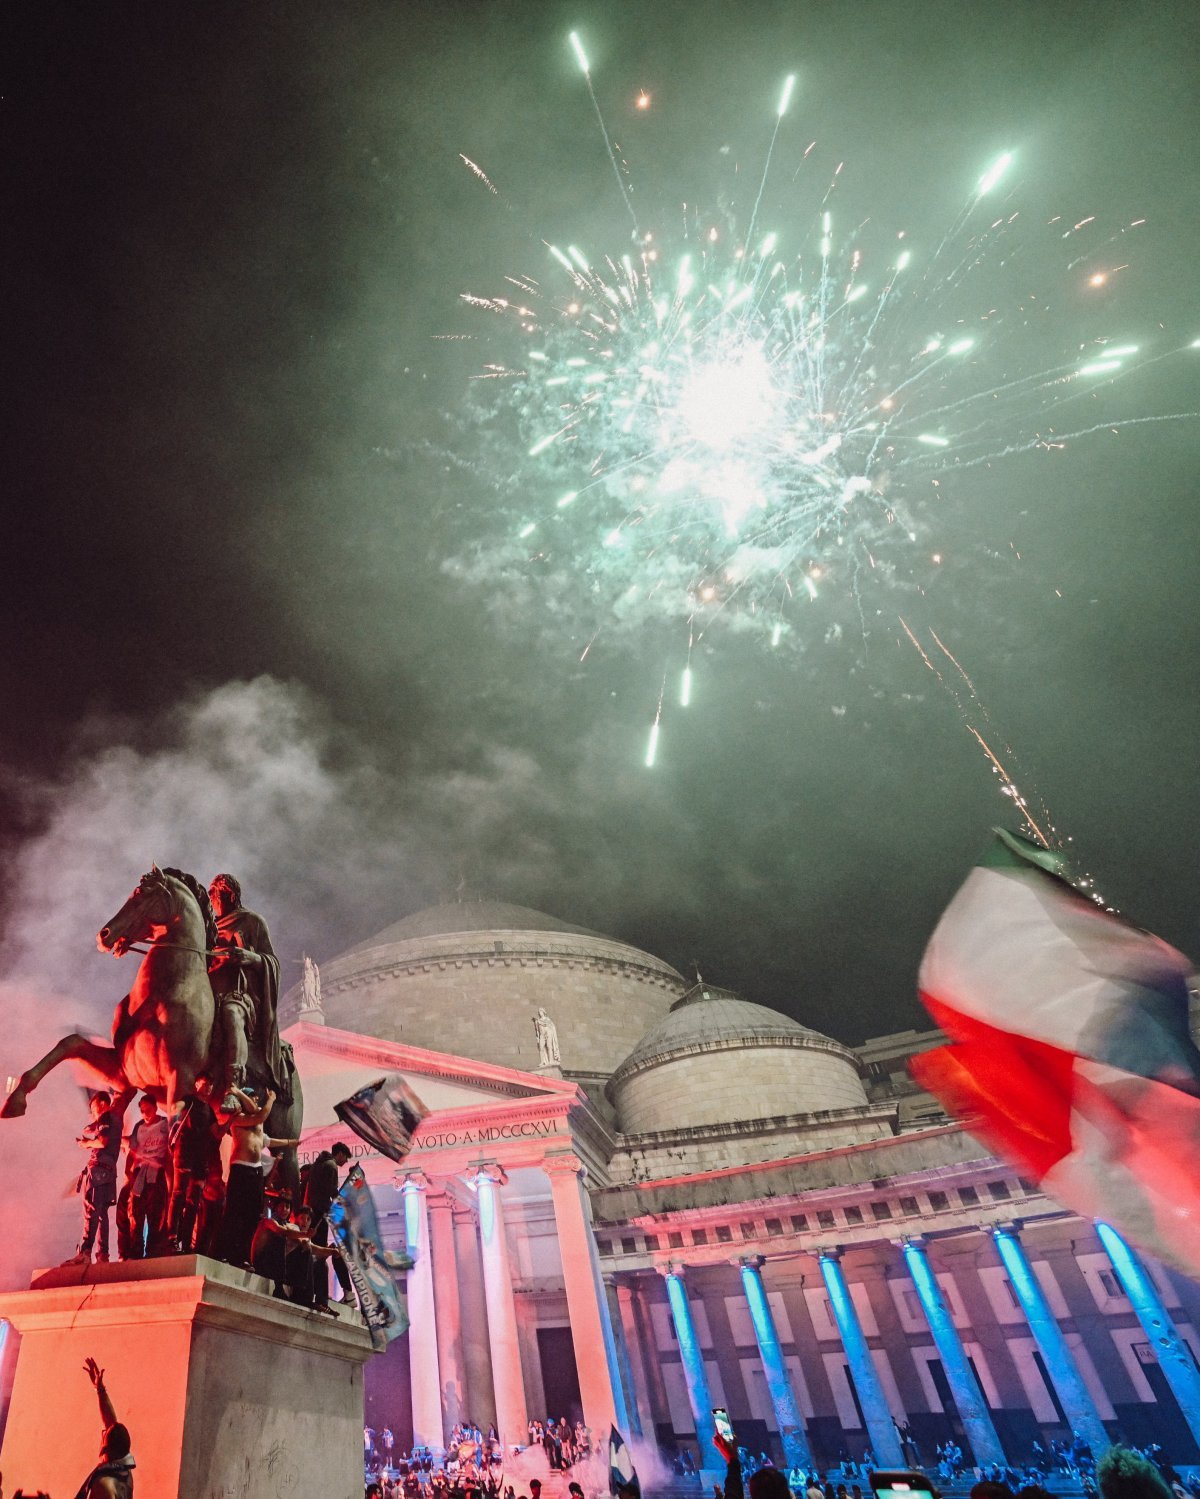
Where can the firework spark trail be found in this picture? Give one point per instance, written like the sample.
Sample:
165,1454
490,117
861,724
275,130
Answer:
784,101
480,173
581,58
987,718
1009,785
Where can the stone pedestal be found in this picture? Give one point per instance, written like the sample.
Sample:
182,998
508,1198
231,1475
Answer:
225,1390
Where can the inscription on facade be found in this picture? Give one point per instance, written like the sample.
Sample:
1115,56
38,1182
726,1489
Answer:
524,1130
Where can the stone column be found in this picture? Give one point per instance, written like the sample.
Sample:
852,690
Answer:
796,1451
1173,1354
699,1396
1081,1413
885,1443
624,1363
447,1305
424,1370
646,1349
587,1306
972,1408
477,1351
512,1419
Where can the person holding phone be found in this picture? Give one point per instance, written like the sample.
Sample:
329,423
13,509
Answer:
766,1483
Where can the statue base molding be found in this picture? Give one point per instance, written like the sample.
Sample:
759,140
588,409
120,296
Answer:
225,1390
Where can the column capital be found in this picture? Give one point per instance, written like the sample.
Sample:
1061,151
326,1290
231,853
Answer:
1012,1228
414,1180
834,1252
563,1163
749,1261
913,1241
672,1267
491,1171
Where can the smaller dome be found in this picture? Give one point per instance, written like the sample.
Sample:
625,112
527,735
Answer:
710,1016
715,1056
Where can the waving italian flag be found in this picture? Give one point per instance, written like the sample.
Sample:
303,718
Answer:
1071,1054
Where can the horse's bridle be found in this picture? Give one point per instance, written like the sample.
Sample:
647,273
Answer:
203,952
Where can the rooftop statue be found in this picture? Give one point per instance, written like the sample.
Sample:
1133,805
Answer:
546,1033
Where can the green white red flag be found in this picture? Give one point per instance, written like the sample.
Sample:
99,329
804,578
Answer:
1070,1052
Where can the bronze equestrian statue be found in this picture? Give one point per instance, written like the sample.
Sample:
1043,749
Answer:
202,1012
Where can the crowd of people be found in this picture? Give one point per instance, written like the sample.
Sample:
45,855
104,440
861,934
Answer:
473,1461
173,1198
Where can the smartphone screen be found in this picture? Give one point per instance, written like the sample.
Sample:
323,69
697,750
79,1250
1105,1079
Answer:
723,1423
896,1486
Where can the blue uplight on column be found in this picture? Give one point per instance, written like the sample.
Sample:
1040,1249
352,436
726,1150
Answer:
693,1368
485,1189
981,1433
1081,1413
1174,1356
796,1451
412,1218
880,1428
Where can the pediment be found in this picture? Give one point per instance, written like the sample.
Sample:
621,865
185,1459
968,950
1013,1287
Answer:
334,1064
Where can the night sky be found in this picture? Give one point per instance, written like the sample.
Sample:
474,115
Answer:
241,460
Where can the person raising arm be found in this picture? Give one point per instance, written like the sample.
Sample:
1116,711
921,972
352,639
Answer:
112,1477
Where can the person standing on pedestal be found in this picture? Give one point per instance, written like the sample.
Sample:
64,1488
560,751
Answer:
98,1179
244,1194
112,1477
147,1181
322,1187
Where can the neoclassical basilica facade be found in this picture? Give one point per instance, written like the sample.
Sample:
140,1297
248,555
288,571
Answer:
673,1199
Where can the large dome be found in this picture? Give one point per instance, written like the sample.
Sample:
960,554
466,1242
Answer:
468,977
471,916
715,1056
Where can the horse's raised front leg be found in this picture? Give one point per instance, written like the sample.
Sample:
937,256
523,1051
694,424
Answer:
103,1058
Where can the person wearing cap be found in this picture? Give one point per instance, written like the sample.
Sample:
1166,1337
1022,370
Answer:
112,1477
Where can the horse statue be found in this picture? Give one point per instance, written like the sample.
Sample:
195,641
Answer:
165,1038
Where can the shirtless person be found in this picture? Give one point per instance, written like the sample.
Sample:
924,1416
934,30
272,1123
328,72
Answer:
244,1193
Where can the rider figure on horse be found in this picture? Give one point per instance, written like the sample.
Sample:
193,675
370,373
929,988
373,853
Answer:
245,978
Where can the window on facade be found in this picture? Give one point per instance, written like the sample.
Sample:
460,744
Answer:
854,1215
799,1222
1112,1286
747,1230
969,1196
908,1206
774,1227
1026,1186
629,1246
881,1210
999,1191
699,1236
724,1233
675,1241
604,1246
938,1201
652,1242
825,1218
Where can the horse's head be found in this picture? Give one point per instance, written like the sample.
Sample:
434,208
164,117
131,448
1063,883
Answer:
143,917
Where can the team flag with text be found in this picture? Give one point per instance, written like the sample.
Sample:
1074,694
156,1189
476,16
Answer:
372,1268
384,1114
1070,1052
622,1475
